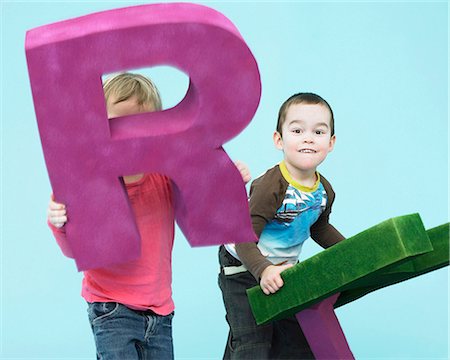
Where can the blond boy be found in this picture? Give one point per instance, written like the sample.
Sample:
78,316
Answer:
130,305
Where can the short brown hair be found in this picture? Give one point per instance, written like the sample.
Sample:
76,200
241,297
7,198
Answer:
127,85
300,98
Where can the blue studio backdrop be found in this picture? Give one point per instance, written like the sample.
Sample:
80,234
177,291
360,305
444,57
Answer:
382,66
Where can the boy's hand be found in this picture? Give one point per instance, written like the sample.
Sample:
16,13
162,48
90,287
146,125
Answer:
271,280
244,170
56,213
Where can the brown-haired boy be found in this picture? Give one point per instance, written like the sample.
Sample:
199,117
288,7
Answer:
288,204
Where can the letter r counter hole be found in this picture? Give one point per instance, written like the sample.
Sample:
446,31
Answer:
85,152
172,85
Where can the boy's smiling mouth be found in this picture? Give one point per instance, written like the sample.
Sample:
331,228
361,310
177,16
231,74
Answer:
307,151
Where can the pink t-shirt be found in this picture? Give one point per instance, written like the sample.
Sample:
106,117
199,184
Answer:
145,283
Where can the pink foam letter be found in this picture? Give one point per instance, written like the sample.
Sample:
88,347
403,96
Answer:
86,154
323,331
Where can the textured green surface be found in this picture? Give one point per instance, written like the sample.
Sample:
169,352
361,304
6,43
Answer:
392,251
407,269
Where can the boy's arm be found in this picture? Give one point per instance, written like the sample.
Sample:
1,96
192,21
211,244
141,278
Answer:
61,239
325,234
243,170
252,259
263,203
56,219
322,232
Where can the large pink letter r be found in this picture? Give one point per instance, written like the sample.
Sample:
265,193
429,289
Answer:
86,154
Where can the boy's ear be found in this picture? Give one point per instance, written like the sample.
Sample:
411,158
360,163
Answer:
332,142
278,140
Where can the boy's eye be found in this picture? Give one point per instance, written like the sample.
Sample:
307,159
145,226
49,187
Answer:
320,132
297,131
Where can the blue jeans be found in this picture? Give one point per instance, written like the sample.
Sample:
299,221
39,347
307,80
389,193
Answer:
126,334
280,339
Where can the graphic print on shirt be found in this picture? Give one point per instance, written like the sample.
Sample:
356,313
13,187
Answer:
283,237
295,203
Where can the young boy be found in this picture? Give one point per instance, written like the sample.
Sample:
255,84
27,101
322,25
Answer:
288,204
130,305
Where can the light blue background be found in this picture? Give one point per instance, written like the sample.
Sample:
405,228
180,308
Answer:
383,68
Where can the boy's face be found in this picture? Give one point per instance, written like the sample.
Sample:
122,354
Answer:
306,139
127,107
124,108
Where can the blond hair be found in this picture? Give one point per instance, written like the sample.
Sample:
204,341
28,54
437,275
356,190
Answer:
126,85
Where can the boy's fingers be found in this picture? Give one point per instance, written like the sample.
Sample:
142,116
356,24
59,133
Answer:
273,285
58,221
243,169
284,267
56,206
268,290
273,282
273,289
57,213
278,281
